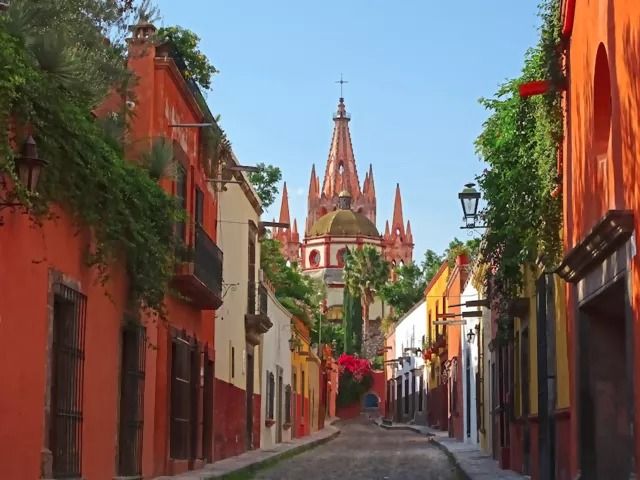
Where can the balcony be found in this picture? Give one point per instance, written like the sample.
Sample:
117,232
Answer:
256,320
199,275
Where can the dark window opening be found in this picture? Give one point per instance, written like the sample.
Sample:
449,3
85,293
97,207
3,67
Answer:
271,390
420,392
302,393
199,216
181,195
65,441
287,404
132,399
181,401
233,362
207,408
406,393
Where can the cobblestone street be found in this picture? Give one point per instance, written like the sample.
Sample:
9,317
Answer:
363,451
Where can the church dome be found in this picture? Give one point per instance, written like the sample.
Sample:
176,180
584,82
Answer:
344,223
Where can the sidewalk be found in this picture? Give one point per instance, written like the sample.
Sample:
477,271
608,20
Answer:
254,459
473,462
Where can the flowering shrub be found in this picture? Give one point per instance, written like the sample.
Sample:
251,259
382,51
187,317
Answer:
356,378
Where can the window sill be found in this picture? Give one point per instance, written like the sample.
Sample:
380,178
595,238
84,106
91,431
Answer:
286,426
270,422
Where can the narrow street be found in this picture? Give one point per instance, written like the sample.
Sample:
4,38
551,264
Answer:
364,451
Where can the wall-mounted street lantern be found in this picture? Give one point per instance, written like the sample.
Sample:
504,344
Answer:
293,341
471,334
28,167
470,198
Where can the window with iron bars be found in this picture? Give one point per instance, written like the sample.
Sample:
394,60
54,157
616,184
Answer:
271,391
132,399
65,436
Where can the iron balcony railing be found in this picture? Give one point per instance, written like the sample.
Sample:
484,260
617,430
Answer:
256,299
208,261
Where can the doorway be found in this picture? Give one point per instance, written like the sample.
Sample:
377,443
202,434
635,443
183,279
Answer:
604,396
279,407
249,390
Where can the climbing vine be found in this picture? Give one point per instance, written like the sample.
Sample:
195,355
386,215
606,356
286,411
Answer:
520,142
129,215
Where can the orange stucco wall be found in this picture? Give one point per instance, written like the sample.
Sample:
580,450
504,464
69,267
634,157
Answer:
162,98
27,253
600,176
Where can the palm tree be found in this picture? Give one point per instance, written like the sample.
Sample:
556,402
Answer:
365,273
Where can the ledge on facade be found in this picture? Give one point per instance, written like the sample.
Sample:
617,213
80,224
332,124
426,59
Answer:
605,237
256,324
197,292
198,274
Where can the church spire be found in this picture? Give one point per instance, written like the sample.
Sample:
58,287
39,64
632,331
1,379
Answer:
284,206
313,183
397,224
341,173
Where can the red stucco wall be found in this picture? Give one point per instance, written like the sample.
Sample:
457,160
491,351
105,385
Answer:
27,253
229,425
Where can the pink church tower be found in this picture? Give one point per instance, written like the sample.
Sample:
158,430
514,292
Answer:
398,240
340,175
289,238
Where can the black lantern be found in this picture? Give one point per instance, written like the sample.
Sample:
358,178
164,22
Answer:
292,343
469,198
471,336
29,165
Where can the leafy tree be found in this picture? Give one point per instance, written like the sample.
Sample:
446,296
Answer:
519,142
265,181
199,68
331,333
405,290
57,67
458,247
299,293
431,264
352,322
365,274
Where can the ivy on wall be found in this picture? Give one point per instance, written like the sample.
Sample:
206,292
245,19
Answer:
519,143
129,215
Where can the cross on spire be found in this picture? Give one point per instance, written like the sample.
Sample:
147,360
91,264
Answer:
341,82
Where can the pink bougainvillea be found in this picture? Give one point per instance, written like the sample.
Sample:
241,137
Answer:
356,366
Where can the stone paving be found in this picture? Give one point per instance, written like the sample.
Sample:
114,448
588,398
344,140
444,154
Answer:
256,458
363,451
474,463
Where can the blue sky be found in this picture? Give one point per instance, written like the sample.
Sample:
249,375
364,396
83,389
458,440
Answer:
416,69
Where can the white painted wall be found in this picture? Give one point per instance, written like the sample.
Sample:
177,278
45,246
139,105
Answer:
276,358
470,368
408,334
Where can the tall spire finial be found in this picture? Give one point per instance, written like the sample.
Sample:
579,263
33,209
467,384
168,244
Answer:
341,82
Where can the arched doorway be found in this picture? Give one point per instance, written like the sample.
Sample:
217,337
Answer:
371,401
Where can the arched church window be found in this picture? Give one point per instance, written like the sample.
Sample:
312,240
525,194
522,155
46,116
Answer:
314,258
341,168
340,256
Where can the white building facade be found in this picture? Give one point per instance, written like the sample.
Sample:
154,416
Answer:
410,384
275,403
470,359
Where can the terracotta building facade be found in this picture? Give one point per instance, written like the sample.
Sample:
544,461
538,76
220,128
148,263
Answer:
600,154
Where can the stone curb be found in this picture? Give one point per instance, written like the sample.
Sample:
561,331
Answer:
277,457
253,466
462,472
